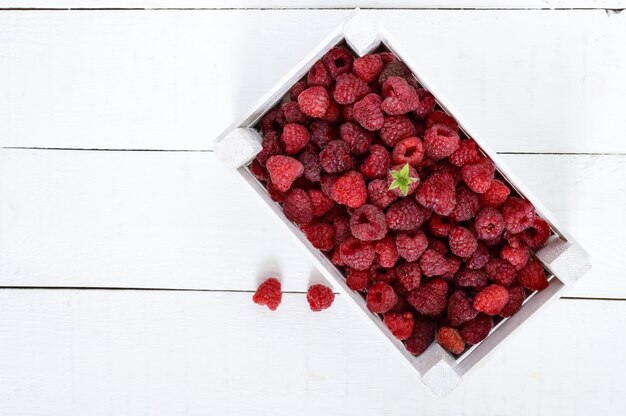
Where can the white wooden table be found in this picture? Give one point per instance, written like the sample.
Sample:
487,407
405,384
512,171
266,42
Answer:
128,254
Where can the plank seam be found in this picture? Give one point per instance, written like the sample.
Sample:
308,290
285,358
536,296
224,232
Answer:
514,9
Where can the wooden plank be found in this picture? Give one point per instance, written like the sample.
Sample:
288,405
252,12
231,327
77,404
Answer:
117,79
182,220
135,352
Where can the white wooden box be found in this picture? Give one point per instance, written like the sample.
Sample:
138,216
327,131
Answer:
562,257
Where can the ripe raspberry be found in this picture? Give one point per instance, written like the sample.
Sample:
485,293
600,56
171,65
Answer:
411,244
462,242
258,170
460,309
358,279
268,294
335,258
333,113
405,215
438,193
349,89
283,171
409,275
450,339
489,224
271,147
368,67
440,141
517,256
423,335
311,162
297,207
433,263
338,61
402,180
297,88
409,150
537,234
400,324
342,229
320,203
478,176
335,158
349,190
273,121
381,297
400,97
292,113
326,182
480,257
275,194
466,154
368,223
467,204
533,276
401,305
322,133
294,137
367,112
376,163
477,329
394,68
358,139
386,251
439,117
396,128
357,254
501,272
380,274
430,299
378,193
426,105
497,193
321,235
319,297
518,213
516,299
454,264
314,101
318,75
474,279
491,300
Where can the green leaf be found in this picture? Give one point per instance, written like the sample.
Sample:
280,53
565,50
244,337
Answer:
402,180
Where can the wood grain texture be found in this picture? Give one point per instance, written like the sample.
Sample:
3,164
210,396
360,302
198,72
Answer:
182,220
176,79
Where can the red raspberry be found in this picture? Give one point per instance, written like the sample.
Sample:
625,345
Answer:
533,276
467,204
439,246
318,75
347,112
396,128
367,112
322,133
460,309
377,162
438,193
320,203
297,207
517,256
273,121
405,215
314,101
397,170
358,139
479,258
357,254
258,170
335,158
537,234
489,224
400,97
516,299
319,297
368,67
271,147
440,141
478,176
494,242
433,263
349,190
454,264
423,335
430,299
349,89
466,154
335,258
297,88
342,229
497,193
386,251
462,242
321,235
491,300
518,213
368,223
400,324
474,279
501,272
333,113
409,150
268,294
326,183
292,113
294,137
450,339
380,274
409,275
394,68
412,244
378,193
426,105
439,117
311,162
275,194
477,329
381,298
338,61
358,279
283,171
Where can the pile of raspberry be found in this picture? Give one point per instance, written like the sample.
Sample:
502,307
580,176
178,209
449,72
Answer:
407,206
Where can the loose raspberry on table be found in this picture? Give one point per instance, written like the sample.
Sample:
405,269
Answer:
357,254
440,141
386,251
314,101
518,213
439,117
400,97
318,75
319,297
501,272
532,276
349,89
460,308
478,176
336,158
477,329
283,171
349,190
338,61
378,193
409,275
297,207
450,339
376,163
270,147
368,223
311,162
394,68
426,105
268,294
467,204
396,128
430,298
405,215
381,297
466,154
321,235
517,256
294,137
411,244
358,279
322,133
409,150
491,300
358,139
462,241
438,193
368,113
368,67
480,257
293,114
380,274
517,294
297,88
489,224
403,179
400,324
497,193
537,234
422,336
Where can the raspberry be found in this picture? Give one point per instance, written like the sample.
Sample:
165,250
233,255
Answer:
478,260
489,224
367,112
411,245
430,299
400,324
440,141
537,234
333,113
491,300
517,256
258,170
283,171
349,89
338,61
462,242
438,193
311,162
322,133
466,154
368,223
433,263
396,128
275,194
439,117
335,258
377,162
358,139
378,193
319,297
400,97
460,309
321,235
297,88
474,279
381,297
454,264
294,137
273,121
467,204
402,180
426,105
268,294
386,251
533,276
271,147
516,299
292,113
478,176
409,150
368,67
320,203
423,335
297,207
518,213
405,215
501,272
357,254
342,229
439,246
326,183
314,101
358,279
318,75
349,190
394,68
347,112
450,339
497,193
409,275
335,158
477,329
380,274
